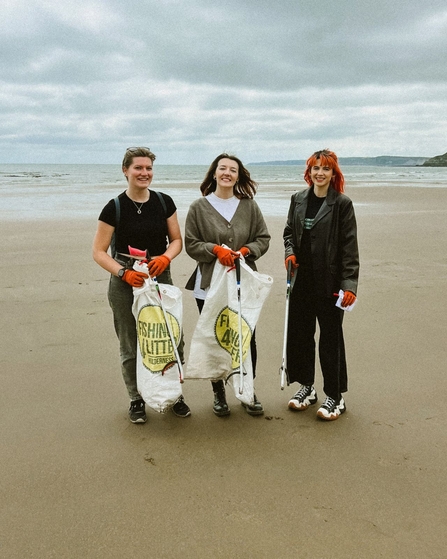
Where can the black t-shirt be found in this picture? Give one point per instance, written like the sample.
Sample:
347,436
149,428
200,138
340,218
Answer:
314,204
145,231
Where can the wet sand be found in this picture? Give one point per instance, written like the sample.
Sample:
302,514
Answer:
78,480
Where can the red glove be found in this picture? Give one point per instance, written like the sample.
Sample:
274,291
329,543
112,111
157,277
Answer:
134,278
158,265
226,256
348,299
292,259
245,251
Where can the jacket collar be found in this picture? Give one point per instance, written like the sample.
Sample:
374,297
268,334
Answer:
326,207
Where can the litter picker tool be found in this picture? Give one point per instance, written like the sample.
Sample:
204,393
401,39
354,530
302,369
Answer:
239,320
133,256
168,326
283,368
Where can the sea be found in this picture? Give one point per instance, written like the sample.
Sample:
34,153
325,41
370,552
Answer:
46,192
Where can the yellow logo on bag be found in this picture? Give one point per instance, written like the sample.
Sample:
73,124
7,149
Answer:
226,330
156,348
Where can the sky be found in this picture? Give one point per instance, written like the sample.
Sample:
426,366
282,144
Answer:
266,80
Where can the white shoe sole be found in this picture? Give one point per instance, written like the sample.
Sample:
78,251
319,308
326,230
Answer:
322,413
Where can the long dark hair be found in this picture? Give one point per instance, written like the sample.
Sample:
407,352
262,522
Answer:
245,186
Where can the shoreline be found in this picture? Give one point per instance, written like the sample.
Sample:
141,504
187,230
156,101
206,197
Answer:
274,201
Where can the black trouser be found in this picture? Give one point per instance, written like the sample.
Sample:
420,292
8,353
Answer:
306,307
217,385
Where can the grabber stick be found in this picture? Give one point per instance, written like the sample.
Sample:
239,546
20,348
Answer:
283,368
239,320
168,326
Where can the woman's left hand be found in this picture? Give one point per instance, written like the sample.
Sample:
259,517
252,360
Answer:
158,265
245,251
348,299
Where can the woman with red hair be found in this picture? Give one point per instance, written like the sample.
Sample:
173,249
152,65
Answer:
320,239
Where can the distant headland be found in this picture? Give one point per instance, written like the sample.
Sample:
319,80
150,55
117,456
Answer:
381,161
438,161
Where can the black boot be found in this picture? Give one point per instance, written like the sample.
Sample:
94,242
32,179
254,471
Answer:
255,409
220,407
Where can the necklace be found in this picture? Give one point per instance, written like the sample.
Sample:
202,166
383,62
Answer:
138,208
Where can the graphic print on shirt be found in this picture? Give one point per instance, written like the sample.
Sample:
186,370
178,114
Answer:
308,222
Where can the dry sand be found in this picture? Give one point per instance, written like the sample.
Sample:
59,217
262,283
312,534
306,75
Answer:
80,481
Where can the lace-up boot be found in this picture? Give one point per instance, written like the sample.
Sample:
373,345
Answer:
255,408
220,406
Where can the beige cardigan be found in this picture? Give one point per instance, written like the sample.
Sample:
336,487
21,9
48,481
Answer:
205,228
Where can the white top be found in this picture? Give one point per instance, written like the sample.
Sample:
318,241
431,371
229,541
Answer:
227,208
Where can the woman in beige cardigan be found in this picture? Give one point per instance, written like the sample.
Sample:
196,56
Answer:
225,215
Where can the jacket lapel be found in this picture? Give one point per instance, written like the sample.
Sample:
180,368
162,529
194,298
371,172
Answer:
301,206
326,206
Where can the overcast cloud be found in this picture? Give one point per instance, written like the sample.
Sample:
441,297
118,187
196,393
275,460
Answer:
266,80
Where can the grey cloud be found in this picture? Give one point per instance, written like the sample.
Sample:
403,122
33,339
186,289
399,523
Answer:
291,44
253,44
196,76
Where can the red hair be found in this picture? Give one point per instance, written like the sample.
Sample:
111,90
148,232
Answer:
327,159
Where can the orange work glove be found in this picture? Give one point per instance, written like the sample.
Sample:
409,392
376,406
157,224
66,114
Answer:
226,256
348,299
158,265
134,278
245,251
292,259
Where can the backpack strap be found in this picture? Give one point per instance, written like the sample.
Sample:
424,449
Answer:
117,221
162,202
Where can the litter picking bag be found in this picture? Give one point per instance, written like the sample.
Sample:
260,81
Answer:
215,351
158,379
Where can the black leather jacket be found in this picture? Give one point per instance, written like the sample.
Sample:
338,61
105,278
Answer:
334,248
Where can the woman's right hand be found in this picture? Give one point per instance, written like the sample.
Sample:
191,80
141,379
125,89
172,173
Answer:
134,278
292,260
226,256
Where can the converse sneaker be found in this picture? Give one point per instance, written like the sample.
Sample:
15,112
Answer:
137,412
305,397
331,409
181,408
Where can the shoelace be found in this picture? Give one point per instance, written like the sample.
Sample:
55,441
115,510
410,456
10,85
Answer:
138,405
303,392
329,403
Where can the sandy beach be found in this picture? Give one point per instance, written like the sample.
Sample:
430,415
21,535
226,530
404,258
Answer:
79,480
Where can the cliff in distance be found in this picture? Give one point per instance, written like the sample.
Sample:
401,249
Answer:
381,160
438,161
